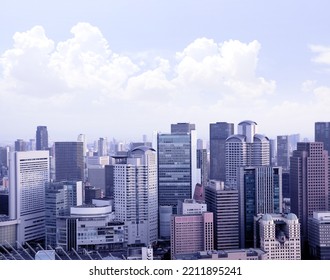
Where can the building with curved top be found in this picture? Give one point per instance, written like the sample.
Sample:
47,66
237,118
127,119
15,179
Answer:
279,236
247,148
136,195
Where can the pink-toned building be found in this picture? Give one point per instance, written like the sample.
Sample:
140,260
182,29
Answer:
191,233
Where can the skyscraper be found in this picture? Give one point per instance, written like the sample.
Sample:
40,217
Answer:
60,196
219,132
20,145
283,152
102,147
223,203
247,148
322,134
260,191
135,194
29,173
309,182
69,161
177,165
41,138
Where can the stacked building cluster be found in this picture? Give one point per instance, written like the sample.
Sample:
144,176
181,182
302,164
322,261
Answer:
236,196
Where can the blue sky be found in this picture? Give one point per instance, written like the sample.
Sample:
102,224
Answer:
120,69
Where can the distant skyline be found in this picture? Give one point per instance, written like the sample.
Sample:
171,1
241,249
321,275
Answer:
121,69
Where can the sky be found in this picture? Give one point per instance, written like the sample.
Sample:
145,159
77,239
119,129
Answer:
122,69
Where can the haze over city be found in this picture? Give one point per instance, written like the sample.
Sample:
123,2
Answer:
123,69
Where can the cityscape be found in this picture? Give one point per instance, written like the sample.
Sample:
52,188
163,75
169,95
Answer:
164,130
239,195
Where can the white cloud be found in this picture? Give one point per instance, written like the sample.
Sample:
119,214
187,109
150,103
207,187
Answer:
322,54
83,80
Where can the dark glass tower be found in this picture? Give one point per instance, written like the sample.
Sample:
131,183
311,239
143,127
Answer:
322,134
177,164
69,161
42,138
260,192
219,132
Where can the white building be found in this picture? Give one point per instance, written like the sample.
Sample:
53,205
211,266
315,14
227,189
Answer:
280,236
135,194
190,206
247,148
29,173
91,227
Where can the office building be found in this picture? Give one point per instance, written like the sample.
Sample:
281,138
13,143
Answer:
42,138
309,183
20,145
91,193
69,161
322,134
191,233
60,197
279,236
191,206
283,152
219,132
91,227
135,194
222,201
318,235
203,165
247,148
177,165
29,174
260,191
102,149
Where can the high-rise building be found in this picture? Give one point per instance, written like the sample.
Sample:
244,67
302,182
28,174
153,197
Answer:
82,138
69,161
318,235
135,194
177,165
41,138
309,183
247,148
222,201
279,236
283,152
260,192
202,165
219,132
102,149
20,145
60,197
29,174
191,233
322,134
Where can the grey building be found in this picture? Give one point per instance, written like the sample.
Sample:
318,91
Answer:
223,203
177,165
219,132
318,235
69,161
41,138
260,192
322,134
59,197
283,152
309,183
